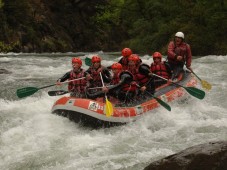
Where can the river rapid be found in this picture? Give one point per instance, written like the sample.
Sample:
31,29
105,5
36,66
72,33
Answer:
33,138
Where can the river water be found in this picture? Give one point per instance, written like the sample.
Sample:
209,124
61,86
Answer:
33,138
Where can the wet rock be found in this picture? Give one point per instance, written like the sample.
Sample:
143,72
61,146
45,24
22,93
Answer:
209,156
4,71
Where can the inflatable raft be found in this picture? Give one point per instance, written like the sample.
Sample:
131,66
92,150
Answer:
92,113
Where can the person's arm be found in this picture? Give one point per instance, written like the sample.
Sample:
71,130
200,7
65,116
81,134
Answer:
106,75
65,77
171,54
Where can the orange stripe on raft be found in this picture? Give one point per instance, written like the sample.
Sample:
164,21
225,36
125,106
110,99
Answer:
127,111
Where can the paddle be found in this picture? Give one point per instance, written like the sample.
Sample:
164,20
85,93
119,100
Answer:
200,94
109,106
28,91
88,61
57,92
161,102
204,83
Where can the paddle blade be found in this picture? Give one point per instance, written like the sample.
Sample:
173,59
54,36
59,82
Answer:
200,94
88,61
57,92
164,104
109,108
206,85
27,91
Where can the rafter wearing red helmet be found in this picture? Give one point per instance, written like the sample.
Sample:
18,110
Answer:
126,52
160,68
76,88
94,73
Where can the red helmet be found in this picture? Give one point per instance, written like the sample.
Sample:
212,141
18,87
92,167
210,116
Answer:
157,55
116,66
126,52
77,60
95,58
134,57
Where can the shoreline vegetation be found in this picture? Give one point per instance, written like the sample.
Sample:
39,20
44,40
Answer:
36,26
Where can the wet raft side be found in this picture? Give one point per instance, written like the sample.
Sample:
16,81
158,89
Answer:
92,113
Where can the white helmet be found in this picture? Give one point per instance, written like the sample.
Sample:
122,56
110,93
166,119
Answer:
180,35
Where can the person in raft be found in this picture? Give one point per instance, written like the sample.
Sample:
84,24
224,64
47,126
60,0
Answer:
116,90
76,88
93,74
126,52
160,68
179,54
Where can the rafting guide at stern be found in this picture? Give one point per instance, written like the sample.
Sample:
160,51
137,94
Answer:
179,54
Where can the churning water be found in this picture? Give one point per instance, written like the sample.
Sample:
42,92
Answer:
33,138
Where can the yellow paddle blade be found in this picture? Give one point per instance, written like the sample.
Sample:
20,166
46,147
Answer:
109,108
206,85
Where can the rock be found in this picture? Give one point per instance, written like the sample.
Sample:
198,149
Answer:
209,156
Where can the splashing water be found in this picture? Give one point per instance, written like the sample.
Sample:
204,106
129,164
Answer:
33,138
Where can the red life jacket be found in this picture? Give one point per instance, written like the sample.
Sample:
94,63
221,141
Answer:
160,69
132,86
142,79
96,79
115,79
77,85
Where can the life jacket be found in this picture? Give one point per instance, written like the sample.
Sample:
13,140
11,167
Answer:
115,79
142,79
160,69
132,86
183,50
96,79
78,86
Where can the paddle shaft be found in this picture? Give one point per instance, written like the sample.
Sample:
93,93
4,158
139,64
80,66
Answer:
72,80
195,75
60,92
61,82
191,90
161,102
109,107
102,82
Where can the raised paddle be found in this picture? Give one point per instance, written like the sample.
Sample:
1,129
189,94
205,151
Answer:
28,91
88,61
200,94
204,83
109,106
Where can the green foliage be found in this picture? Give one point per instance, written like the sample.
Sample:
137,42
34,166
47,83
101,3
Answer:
151,24
8,47
1,4
143,25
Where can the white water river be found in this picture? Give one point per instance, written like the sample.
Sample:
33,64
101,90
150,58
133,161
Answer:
33,138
